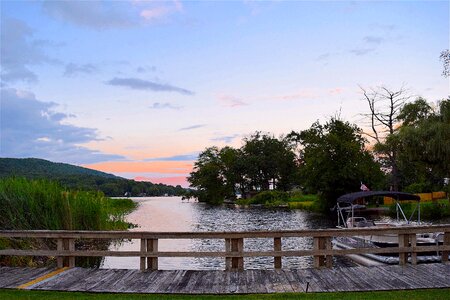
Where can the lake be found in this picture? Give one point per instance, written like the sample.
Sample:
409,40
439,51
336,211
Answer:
168,214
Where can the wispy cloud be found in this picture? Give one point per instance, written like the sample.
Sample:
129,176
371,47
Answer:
380,34
19,51
152,11
183,157
226,139
231,101
140,84
371,39
192,127
361,51
92,14
336,91
165,105
145,69
31,128
73,69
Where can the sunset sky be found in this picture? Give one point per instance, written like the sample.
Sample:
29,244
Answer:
139,88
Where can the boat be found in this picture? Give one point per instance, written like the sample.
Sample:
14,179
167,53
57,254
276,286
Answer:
348,207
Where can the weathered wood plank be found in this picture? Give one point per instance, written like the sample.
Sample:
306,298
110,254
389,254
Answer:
247,281
74,234
13,277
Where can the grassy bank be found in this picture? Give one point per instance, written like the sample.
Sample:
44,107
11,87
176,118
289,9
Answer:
430,294
40,204
274,199
434,210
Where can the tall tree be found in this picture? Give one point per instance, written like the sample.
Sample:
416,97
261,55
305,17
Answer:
208,177
424,141
269,162
385,106
334,160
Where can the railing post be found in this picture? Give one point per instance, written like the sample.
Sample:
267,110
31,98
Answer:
328,258
237,245
143,252
227,259
152,247
277,247
403,241
413,241
319,244
60,248
71,247
446,242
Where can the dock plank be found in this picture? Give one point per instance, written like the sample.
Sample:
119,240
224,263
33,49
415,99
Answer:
233,282
13,277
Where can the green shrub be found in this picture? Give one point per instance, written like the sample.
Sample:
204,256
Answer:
418,187
428,210
269,197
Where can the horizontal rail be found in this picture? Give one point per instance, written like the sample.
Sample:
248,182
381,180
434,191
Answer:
286,253
220,235
234,253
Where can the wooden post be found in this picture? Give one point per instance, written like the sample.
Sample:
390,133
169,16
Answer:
413,241
152,247
236,245
319,244
277,247
60,248
445,254
403,241
71,247
328,246
143,258
228,259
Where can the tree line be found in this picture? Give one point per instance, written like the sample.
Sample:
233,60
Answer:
406,148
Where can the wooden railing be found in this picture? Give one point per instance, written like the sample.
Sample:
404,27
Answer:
234,252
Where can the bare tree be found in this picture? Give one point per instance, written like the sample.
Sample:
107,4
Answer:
385,105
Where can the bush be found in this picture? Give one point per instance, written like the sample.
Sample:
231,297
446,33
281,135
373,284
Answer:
418,187
428,210
298,196
269,197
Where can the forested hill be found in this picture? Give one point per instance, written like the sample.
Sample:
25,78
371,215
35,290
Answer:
38,168
75,177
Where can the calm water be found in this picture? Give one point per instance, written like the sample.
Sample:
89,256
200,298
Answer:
171,214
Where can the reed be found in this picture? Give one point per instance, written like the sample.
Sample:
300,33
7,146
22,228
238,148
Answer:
41,204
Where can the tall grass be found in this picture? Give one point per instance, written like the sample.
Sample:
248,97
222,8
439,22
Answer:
41,204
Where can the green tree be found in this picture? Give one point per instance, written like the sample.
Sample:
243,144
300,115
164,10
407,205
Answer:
268,162
208,177
424,141
334,160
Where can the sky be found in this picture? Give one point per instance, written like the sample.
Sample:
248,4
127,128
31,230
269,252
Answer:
139,88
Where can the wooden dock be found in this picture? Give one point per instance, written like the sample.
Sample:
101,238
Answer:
379,278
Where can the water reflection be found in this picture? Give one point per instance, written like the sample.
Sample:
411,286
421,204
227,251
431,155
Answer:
169,214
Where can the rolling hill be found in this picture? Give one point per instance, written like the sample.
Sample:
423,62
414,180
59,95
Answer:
75,177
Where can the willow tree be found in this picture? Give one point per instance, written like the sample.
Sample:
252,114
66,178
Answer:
424,141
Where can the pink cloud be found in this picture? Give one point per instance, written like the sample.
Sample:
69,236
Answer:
299,95
231,101
336,91
159,12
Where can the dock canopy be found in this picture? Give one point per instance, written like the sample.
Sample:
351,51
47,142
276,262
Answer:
352,197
